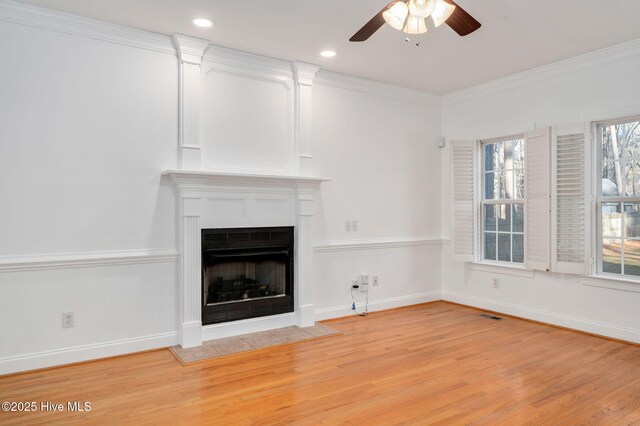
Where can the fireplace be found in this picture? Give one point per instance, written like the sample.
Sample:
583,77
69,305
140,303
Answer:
246,273
214,205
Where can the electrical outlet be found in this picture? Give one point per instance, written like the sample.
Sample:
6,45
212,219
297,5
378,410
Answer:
354,225
67,320
496,283
376,281
364,282
347,226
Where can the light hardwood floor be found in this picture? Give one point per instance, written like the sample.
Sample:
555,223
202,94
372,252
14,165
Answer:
429,364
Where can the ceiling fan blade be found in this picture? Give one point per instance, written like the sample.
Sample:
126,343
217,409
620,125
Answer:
461,22
371,27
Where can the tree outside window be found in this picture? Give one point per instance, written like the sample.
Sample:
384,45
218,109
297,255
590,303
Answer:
619,198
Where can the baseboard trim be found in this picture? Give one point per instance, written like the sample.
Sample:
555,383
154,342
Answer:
378,305
565,321
59,357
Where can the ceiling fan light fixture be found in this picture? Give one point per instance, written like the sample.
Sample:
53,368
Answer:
396,15
415,25
421,8
441,12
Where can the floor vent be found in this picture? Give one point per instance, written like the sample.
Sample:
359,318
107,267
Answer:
493,317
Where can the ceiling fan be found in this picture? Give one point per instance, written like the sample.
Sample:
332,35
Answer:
409,16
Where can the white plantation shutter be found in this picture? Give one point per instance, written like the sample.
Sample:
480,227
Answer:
463,188
570,202
537,199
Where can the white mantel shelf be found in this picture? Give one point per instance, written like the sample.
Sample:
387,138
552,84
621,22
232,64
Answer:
195,176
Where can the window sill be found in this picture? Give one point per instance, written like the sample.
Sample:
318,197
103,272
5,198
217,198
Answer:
498,268
613,282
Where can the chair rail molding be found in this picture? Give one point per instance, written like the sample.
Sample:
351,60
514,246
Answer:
190,51
50,261
377,243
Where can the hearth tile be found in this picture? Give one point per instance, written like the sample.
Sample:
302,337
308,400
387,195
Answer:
291,334
197,353
248,342
262,339
229,345
319,330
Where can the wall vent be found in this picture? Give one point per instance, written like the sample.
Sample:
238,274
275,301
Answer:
493,317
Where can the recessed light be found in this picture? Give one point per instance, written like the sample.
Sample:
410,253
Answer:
202,22
328,53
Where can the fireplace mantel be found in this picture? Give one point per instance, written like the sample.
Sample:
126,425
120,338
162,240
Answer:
210,200
195,177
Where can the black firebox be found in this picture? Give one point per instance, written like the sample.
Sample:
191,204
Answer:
246,273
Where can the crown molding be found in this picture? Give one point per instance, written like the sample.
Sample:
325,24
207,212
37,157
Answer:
216,56
363,85
598,58
67,23
305,73
222,58
191,49
219,57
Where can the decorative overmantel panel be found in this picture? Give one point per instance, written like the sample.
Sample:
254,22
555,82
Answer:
245,131
247,122
257,113
226,200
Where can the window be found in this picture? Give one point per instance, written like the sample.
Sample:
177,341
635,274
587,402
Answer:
502,204
618,201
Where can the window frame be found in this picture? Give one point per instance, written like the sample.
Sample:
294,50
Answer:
482,202
599,199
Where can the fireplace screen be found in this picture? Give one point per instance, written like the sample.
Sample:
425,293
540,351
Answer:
246,273
258,277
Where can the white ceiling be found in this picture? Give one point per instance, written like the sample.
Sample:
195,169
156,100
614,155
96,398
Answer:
516,34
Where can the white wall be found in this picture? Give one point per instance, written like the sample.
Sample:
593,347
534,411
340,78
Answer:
81,121
378,145
87,127
383,159
407,275
89,119
595,86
